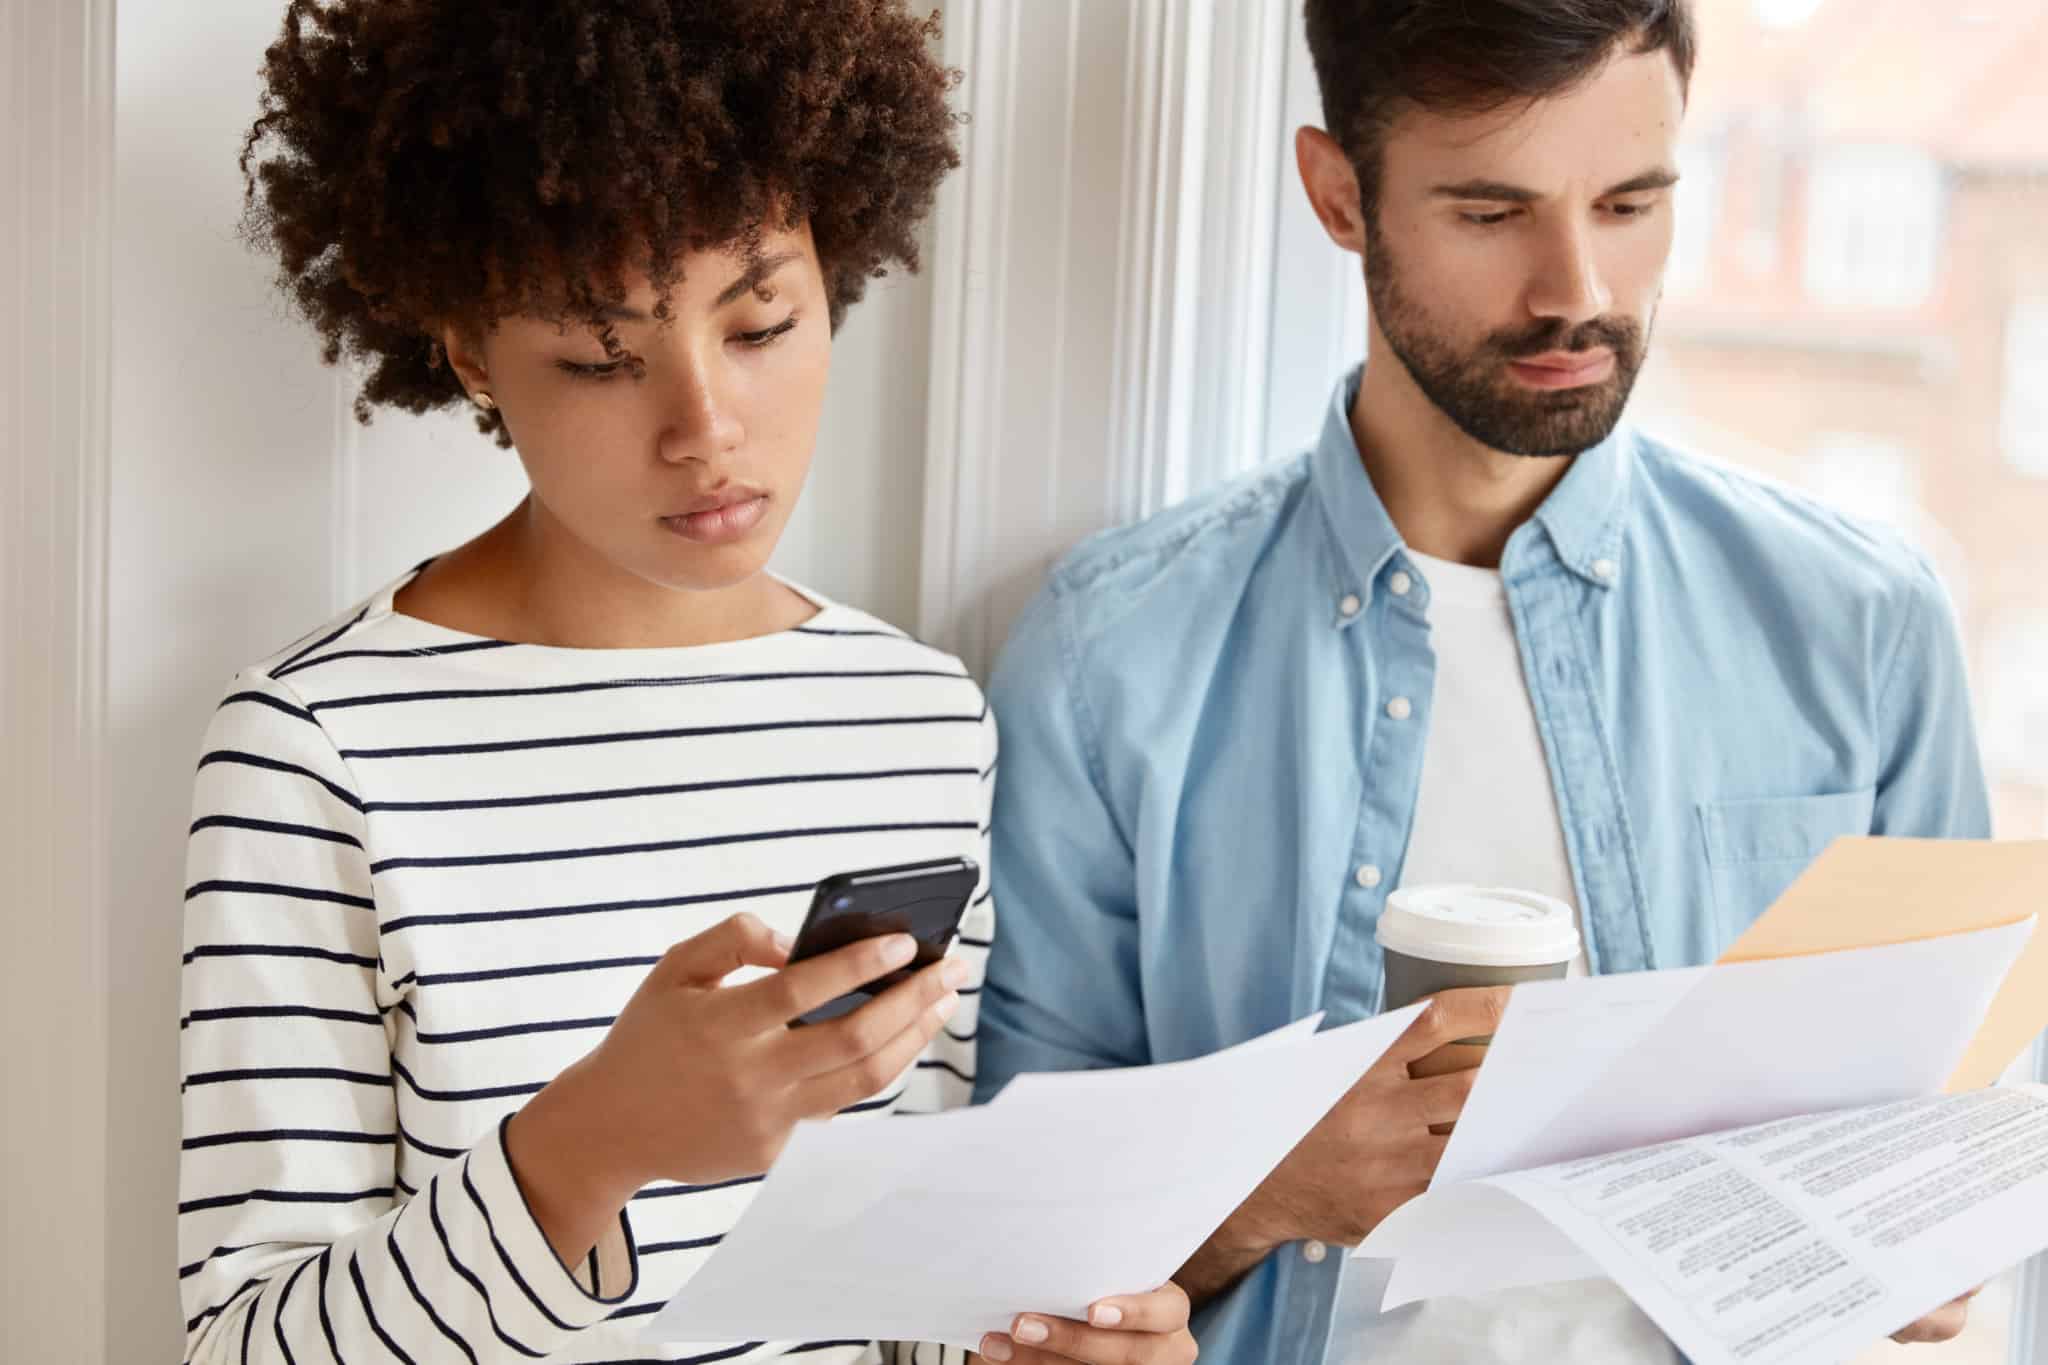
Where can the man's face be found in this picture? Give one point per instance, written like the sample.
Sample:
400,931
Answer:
1515,259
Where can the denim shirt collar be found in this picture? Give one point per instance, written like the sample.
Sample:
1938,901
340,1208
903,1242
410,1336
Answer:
1583,515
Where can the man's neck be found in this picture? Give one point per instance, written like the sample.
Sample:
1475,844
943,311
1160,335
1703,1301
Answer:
1449,496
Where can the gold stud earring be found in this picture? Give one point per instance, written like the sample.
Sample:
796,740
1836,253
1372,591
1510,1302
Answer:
485,401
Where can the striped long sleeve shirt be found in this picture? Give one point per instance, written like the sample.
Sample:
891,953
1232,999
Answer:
425,872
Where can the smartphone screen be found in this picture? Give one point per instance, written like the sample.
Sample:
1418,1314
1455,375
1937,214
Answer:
924,900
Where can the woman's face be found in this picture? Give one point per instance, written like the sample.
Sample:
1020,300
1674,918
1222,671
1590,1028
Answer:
680,459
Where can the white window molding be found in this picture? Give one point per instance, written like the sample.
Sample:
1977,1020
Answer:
56,163
1874,219
1103,311
2023,422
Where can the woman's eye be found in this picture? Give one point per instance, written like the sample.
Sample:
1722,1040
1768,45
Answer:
767,334
602,371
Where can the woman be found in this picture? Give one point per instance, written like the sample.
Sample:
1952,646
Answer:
464,1078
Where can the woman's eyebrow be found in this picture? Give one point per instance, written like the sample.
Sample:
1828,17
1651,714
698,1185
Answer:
757,270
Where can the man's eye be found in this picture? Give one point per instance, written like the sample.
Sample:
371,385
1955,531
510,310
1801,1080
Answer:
1488,219
1631,210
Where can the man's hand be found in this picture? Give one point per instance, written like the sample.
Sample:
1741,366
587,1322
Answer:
1143,1329
1371,1154
1945,1323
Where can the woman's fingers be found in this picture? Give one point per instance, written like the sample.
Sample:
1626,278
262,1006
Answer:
1163,1310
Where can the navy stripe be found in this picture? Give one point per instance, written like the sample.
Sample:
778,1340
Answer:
934,1064
635,736
868,634
676,789
969,941
281,1012
425,651
668,1191
403,1188
332,836
809,1346
326,1325
302,893
277,1317
694,1244
405,1273
277,950
186,1272
279,766
355,1272
966,1037
621,684
869,1106
490,1230
286,1073
555,855
405,1135
543,969
281,1135
265,699
489,1092
455,1263
324,641
599,907
208,1315
224,1201
514,1030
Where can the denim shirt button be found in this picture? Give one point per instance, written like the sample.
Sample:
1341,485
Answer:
1314,1252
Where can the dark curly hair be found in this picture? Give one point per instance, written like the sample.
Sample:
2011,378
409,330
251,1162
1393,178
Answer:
420,163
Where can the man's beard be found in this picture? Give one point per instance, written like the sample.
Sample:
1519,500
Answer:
1475,391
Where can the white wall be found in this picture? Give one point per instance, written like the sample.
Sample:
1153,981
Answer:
247,507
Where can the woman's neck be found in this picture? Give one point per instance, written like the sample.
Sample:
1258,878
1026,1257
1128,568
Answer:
527,580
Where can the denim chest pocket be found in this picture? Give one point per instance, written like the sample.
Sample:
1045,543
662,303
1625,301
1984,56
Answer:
1757,848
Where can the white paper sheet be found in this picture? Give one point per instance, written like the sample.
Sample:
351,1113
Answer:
1064,1190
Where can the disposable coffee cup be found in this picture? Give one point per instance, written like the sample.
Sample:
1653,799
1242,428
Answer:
1445,938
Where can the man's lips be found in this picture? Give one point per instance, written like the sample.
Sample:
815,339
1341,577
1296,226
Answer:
1563,369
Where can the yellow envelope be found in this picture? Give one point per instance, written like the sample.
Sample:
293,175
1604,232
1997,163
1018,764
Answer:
1864,892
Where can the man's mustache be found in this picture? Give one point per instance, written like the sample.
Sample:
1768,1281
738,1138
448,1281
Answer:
1619,335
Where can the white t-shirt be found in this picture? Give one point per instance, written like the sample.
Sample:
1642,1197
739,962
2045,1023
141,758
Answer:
1487,813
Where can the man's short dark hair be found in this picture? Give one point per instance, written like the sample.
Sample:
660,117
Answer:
1376,59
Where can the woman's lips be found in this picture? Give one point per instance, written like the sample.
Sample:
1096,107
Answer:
1563,370
725,521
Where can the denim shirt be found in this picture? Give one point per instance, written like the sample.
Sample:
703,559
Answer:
1208,780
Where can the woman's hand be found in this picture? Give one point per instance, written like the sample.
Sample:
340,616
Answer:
1141,1329
1945,1323
698,1082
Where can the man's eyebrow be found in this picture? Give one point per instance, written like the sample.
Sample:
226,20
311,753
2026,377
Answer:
759,269
1500,192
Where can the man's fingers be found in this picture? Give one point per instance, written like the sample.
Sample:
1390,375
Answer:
801,987
1448,1018
1163,1310
861,1033
724,948
1441,1099
835,1090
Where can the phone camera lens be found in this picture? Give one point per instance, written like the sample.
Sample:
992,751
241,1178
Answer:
843,903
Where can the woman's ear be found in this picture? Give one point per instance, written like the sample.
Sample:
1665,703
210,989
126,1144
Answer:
1332,185
464,354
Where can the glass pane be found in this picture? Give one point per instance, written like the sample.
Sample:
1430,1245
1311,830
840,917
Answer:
1860,310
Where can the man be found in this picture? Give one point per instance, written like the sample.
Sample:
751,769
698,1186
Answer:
1482,632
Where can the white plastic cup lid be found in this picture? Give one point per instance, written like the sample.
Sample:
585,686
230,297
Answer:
1478,926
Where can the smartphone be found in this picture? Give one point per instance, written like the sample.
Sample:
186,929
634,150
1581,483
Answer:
924,900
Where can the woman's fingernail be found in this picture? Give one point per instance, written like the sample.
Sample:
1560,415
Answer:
1031,1331
954,973
944,1009
899,949
995,1348
1106,1315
